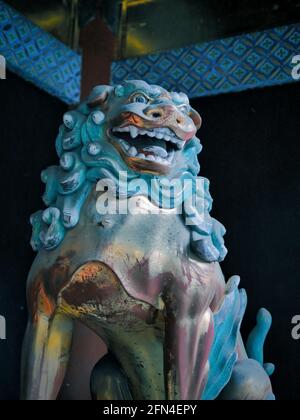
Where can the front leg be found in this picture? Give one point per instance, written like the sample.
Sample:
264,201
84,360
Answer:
46,351
189,337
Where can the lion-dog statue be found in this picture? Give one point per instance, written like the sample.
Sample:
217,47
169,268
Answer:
147,280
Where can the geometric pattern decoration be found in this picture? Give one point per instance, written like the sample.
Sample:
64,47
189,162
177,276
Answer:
233,64
38,57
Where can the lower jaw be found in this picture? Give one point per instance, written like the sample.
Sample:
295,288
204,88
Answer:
142,166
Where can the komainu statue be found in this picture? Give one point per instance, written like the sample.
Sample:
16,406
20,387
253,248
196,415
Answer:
128,248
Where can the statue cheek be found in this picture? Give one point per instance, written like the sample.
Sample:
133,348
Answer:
196,118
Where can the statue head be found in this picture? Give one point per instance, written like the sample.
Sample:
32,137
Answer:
136,128
148,126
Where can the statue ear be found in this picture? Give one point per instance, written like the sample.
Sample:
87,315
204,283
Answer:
99,96
195,116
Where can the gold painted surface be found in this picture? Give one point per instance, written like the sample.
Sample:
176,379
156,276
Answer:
46,352
83,278
133,329
58,17
151,26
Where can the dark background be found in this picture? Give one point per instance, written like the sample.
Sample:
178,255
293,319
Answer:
251,156
29,120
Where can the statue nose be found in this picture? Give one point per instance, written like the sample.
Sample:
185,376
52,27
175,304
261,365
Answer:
166,112
155,113
170,116
180,119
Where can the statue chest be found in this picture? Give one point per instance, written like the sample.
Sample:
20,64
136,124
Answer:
144,251
96,296
122,264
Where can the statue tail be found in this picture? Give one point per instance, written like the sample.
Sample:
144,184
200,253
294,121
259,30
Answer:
257,338
223,354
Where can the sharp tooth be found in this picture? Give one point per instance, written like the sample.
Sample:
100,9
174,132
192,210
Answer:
159,136
141,156
126,146
171,156
151,133
167,137
132,151
174,140
150,157
180,144
158,159
134,131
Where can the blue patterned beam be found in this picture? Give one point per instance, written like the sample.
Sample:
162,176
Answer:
234,64
39,57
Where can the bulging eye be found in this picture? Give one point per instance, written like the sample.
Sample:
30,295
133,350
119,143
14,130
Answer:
185,109
141,99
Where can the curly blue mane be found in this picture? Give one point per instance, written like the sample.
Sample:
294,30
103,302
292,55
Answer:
86,156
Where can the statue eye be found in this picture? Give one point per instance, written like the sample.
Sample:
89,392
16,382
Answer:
185,109
141,99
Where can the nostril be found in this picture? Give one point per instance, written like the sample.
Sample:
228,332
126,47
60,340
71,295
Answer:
156,115
179,120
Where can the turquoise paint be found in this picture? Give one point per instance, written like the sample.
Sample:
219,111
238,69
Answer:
86,156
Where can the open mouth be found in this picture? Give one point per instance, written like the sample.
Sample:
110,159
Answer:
154,145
